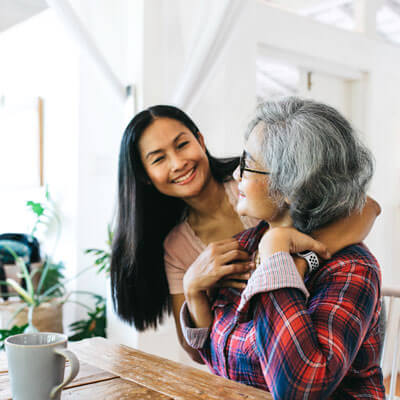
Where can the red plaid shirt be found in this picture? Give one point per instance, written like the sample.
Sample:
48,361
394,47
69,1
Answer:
278,339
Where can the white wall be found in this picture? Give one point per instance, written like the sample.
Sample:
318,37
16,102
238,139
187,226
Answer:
115,28
36,63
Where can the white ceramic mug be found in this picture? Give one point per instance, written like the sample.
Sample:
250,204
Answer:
36,363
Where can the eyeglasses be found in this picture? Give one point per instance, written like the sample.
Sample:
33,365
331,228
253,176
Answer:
242,167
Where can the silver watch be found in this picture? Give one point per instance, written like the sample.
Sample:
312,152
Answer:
311,258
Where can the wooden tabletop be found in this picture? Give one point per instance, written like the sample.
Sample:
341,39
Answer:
112,371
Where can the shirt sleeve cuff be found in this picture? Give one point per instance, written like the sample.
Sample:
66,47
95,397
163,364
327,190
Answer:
195,337
276,272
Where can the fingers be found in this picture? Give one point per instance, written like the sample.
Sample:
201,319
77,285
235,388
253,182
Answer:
302,242
320,249
237,268
233,255
223,246
243,277
232,284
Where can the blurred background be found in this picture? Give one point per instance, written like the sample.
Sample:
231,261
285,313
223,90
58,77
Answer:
73,73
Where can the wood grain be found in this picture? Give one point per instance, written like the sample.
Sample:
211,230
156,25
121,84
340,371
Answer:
161,375
3,362
117,389
87,374
386,382
5,390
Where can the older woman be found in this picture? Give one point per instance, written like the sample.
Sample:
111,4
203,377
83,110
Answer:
297,330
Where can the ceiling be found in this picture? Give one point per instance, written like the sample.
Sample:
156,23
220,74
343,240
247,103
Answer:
272,76
275,79
13,12
334,12
340,13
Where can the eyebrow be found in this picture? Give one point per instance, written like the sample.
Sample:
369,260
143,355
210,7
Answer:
151,153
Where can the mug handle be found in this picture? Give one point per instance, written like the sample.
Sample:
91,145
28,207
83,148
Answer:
74,364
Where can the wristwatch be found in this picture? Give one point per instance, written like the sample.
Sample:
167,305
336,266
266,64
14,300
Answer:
311,258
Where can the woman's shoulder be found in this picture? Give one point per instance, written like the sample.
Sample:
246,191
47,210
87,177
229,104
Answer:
356,259
359,253
182,242
179,233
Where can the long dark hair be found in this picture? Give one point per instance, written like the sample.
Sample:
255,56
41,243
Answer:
139,284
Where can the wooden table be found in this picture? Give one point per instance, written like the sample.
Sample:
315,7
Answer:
111,371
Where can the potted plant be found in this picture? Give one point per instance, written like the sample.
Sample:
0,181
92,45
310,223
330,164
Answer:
42,291
49,292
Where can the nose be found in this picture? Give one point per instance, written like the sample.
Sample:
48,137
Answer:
236,174
177,162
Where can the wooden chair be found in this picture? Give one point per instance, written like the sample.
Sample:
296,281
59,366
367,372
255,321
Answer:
391,346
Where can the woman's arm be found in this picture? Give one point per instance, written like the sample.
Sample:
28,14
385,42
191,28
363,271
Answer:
306,347
349,230
177,302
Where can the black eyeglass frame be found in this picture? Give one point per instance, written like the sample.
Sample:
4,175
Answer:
242,167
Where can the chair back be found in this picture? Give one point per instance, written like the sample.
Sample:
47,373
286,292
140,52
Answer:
391,344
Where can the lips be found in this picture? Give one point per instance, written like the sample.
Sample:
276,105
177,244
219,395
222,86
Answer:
184,178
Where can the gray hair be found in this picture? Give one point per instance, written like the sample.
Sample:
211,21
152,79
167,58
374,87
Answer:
316,160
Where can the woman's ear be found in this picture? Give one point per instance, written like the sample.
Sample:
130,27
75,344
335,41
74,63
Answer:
201,140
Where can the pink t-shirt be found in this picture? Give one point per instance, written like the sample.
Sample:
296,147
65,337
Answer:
182,246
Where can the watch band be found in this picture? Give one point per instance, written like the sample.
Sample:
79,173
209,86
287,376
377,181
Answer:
311,258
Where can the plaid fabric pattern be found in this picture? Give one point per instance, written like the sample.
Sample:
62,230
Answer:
325,347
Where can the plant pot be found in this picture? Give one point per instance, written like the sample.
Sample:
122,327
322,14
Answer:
12,271
48,317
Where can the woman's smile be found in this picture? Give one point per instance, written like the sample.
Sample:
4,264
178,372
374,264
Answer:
185,178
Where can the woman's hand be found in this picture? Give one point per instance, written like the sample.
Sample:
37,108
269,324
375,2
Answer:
221,261
237,281
349,230
217,261
292,241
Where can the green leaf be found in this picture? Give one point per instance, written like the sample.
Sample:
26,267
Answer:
25,273
94,251
94,325
110,234
21,291
52,276
5,333
47,194
37,208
